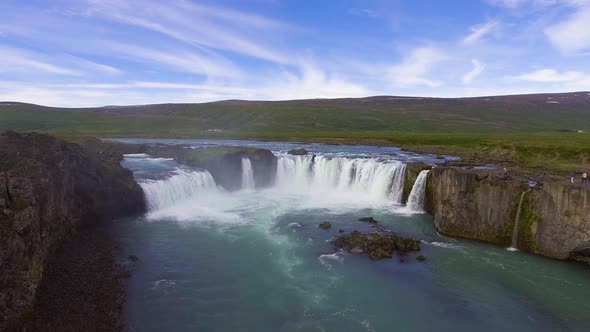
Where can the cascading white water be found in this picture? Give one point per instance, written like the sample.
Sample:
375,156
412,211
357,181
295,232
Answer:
376,180
247,175
416,198
179,187
397,188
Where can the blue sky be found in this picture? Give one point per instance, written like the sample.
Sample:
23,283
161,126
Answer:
111,52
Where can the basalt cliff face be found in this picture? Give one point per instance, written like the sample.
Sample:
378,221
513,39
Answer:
48,190
558,223
551,219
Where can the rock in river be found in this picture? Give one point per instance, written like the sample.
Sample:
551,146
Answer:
298,152
378,246
370,220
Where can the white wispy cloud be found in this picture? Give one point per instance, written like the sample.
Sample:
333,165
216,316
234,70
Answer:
520,3
479,31
23,61
551,76
200,25
478,68
306,80
94,66
573,34
415,67
553,80
205,63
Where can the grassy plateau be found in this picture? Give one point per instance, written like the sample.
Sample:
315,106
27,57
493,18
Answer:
542,133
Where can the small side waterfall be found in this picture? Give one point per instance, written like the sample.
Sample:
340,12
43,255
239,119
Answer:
514,243
418,193
179,187
247,175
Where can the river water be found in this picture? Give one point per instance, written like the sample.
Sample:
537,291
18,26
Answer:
256,260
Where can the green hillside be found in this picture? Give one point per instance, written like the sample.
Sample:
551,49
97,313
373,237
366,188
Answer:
536,130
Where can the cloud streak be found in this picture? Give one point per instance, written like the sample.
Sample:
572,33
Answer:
478,68
415,67
479,31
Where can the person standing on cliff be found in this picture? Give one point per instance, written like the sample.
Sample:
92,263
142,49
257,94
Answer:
584,177
572,177
505,176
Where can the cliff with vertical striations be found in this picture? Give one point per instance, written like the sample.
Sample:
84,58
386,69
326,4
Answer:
553,219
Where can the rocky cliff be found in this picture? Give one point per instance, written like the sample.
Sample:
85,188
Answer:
48,190
551,219
223,162
557,222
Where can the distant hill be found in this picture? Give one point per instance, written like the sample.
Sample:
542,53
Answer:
340,117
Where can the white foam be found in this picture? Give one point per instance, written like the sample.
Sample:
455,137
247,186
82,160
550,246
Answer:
511,249
135,155
327,260
443,245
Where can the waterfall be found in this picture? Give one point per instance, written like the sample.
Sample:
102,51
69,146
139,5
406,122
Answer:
179,187
378,180
397,188
416,198
247,175
514,243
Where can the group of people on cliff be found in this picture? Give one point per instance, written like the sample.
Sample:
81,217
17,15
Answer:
584,177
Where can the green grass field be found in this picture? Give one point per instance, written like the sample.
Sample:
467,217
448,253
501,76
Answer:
538,133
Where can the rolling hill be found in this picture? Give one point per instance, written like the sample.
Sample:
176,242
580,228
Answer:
378,115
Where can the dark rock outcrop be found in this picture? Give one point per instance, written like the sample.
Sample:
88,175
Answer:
325,225
48,190
370,220
298,152
378,246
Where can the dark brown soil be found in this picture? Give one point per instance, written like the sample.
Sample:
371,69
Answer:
82,288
